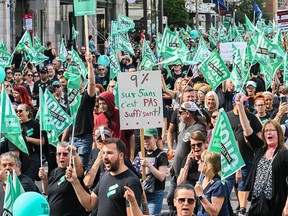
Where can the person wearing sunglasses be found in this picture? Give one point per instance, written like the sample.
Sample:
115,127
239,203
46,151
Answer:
190,172
184,201
62,198
60,95
102,76
212,194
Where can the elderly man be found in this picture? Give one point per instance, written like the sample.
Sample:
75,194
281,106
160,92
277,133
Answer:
9,161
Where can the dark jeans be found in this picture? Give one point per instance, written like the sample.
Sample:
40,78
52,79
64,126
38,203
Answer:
83,144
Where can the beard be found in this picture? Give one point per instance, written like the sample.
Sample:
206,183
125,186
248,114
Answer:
113,166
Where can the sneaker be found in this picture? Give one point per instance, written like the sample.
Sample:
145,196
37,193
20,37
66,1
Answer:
242,212
235,211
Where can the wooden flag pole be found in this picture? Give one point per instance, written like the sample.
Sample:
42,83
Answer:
142,152
86,40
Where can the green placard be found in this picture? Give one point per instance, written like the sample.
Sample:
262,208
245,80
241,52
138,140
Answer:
84,7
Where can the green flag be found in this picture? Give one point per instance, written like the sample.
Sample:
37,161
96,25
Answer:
201,54
77,66
114,64
285,70
123,43
74,32
146,64
84,7
38,45
125,23
238,75
5,59
2,46
214,69
224,143
268,75
239,38
53,117
10,125
146,51
249,26
63,51
53,137
9,198
38,59
250,51
25,43
17,185
74,100
116,95
74,80
114,28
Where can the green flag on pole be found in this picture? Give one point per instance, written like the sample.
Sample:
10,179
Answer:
10,125
116,95
25,42
17,185
63,51
224,143
9,198
74,80
2,46
77,66
125,23
53,117
146,51
114,64
74,100
123,43
214,69
38,45
74,32
249,26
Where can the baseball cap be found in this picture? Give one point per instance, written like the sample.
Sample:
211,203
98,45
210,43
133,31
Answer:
149,132
251,84
104,132
189,106
56,83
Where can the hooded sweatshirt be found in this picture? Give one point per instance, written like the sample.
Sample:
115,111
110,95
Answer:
113,123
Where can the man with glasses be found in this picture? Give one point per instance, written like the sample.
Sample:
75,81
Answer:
61,195
102,76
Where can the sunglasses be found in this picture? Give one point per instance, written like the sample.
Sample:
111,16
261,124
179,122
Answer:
18,111
36,76
214,116
30,75
65,154
100,69
199,145
190,201
56,86
9,72
68,59
6,86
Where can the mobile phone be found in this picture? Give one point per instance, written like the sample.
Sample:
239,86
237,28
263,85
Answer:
283,99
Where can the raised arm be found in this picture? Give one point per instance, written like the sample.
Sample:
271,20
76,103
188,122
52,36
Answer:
91,77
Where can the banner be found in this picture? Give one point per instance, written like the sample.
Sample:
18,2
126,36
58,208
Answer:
140,100
87,7
224,143
226,50
125,23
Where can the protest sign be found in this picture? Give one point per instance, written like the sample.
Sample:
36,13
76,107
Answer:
140,100
226,50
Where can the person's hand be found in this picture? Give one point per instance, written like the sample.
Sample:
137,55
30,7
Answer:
74,150
99,156
238,176
129,194
42,173
88,58
144,162
285,211
71,175
198,189
190,157
170,152
283,108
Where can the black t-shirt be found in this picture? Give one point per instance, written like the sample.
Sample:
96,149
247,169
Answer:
31,129
170,81
37,85
171,213
161,160
245,150
193,173
228,96
84,119
110,191
62,197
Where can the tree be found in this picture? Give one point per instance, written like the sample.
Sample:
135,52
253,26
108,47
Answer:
176,13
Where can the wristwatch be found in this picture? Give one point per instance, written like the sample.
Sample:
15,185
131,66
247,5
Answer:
201,197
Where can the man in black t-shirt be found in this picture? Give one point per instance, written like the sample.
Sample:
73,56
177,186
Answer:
109,192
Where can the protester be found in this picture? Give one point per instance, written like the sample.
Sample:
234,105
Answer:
109,192
9,75
21,96
260,108
50,53
211,102
62,198
214,200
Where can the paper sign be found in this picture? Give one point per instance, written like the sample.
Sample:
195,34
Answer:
84,7
140,100
226,50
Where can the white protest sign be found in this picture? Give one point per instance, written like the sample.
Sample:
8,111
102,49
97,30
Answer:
140,100
226,50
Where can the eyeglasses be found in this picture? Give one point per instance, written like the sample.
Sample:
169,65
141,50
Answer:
6,86
19,111
260,105
65,154
10,72
199,145
269,130
112,86
190,201
30,75
68,59
214,116
250,87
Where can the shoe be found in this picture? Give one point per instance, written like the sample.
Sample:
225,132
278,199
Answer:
242,212
235,211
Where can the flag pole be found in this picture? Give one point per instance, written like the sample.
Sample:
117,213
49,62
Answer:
142,152
72,141
1,99
40,110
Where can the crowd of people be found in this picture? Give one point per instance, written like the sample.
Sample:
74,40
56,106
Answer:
101,173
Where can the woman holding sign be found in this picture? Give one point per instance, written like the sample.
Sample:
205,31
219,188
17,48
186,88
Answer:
156,162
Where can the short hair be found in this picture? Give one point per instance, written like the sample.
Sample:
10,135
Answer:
198,135
184,185
188,89
63,144
119,143
90,37
48,43
17,71
10,154
285,91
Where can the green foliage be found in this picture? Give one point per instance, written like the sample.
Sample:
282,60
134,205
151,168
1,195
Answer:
176,12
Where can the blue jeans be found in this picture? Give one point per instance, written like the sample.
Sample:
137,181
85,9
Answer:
170,195
245,173
83,144
155,201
